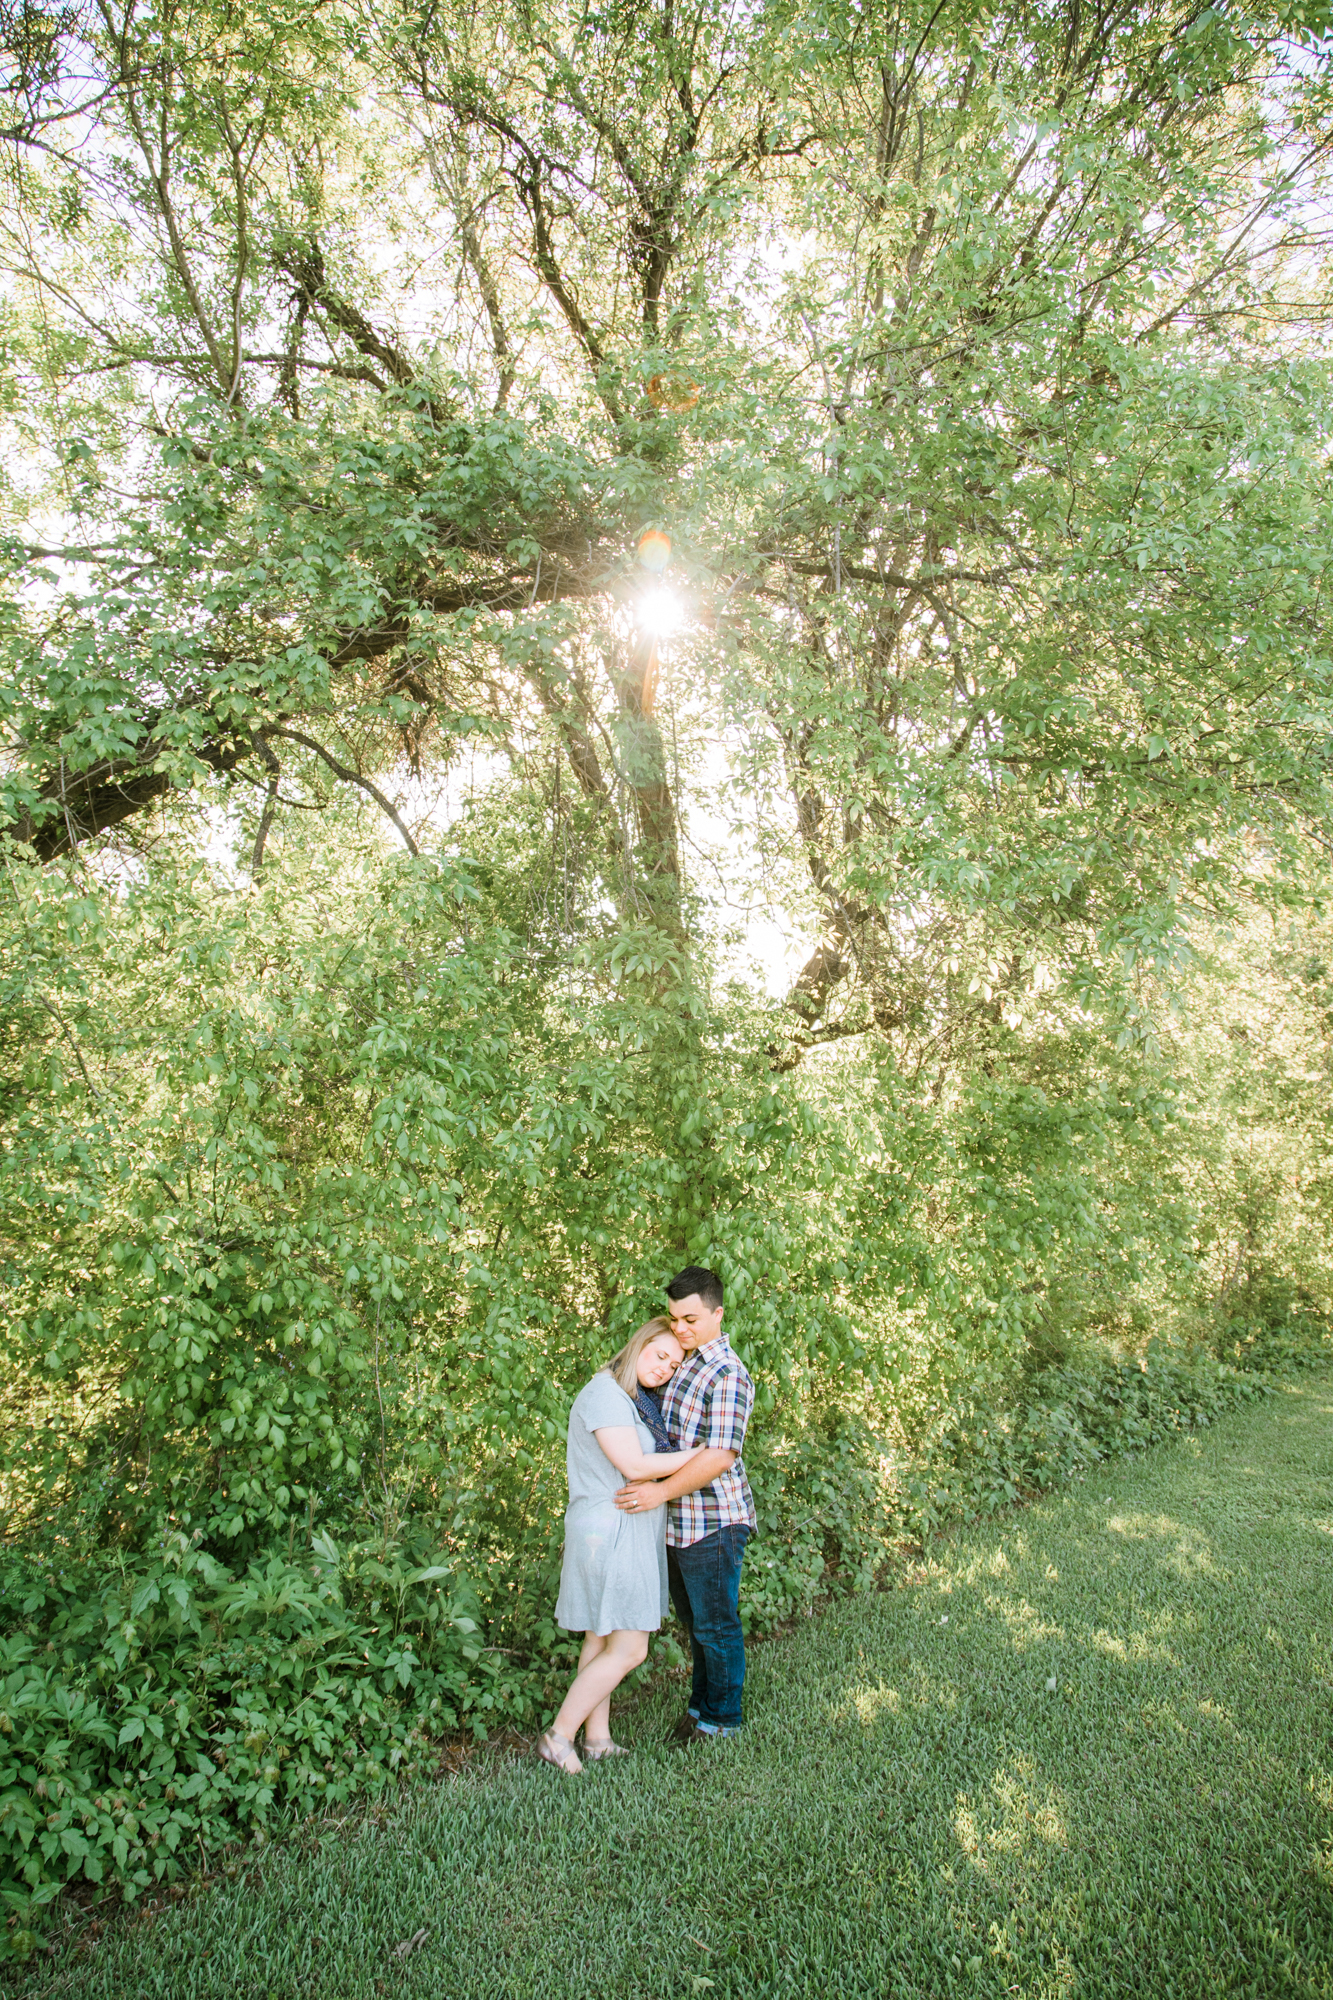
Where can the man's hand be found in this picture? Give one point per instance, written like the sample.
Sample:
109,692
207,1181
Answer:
640,1496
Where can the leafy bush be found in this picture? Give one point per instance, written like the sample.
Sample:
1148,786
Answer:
1067,1420
1270,1322
317,1205
157,1716
828,1518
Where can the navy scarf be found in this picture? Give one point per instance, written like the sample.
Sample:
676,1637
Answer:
650,1410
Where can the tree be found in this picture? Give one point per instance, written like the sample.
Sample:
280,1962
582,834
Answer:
968,360
965,367
868,456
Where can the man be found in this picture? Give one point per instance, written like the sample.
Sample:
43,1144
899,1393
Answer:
710,1513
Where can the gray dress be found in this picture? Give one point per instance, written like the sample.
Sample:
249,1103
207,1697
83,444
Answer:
614,1575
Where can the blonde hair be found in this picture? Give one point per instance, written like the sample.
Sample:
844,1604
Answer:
625,1365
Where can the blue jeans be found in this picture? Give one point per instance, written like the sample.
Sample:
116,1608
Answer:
705,1586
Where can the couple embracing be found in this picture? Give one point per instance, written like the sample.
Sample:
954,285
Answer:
658,1504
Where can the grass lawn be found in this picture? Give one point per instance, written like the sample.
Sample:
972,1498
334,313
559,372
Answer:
910,1810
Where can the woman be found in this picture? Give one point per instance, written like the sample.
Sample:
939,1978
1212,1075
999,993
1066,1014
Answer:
613,1583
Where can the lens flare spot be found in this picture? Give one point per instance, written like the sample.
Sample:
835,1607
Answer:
654,550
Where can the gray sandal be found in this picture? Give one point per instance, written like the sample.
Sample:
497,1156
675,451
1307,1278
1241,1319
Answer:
595,1747
553,1748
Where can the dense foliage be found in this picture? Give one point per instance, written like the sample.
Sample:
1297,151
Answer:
507,511
312,1225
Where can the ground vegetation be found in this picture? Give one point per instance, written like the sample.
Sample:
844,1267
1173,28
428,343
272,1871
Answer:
1081,1749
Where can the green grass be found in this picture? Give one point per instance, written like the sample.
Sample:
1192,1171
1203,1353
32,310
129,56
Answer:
910,1811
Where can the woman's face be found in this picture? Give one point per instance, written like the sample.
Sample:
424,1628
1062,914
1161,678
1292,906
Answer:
659,1359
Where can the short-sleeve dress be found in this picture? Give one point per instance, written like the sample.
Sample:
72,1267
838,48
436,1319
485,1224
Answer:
614,1575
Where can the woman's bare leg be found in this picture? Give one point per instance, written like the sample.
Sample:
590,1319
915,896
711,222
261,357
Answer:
600,1674
598,1723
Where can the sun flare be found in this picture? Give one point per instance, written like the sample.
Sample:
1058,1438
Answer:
660,611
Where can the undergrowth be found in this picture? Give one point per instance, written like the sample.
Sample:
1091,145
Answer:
150,1717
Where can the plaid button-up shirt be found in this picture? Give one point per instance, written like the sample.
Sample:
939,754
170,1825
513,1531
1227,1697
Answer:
708,1401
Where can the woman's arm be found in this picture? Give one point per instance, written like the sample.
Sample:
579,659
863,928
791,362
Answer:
709,1464
621,1445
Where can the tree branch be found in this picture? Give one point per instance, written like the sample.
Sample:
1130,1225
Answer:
307,268
159,172
349,777
272,765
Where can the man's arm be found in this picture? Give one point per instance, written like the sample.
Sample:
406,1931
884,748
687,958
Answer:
702,1470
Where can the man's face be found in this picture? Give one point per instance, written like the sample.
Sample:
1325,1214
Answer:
693,1323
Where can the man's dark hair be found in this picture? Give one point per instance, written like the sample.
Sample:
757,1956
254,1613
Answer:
694,1278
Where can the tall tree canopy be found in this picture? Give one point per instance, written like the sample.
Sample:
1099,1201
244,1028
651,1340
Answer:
867,457
969,358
